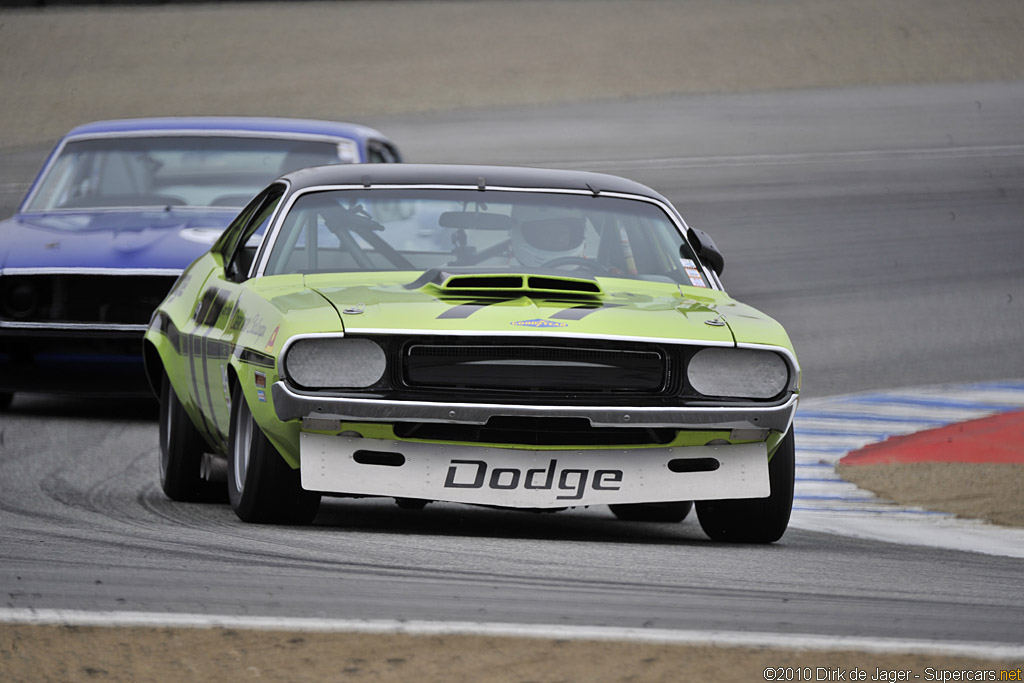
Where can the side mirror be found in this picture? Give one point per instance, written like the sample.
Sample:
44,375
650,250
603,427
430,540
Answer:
706,250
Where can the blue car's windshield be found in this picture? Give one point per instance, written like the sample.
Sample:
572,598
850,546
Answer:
201,170
495,230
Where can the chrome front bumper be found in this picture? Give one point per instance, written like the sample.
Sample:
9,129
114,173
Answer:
291,405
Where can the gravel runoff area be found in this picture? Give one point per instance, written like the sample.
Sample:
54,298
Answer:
73,653
355,60
989,491
973,469
62,66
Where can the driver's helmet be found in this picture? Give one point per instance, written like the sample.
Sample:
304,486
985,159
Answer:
538,238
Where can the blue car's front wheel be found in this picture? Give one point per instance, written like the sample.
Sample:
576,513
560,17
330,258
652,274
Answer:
261,486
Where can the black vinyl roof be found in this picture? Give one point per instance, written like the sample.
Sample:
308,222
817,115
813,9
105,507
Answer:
466,175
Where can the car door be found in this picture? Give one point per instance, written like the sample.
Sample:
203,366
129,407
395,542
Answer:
218,318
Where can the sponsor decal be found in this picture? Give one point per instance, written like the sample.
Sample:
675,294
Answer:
254,326
273,339
260,379
540,322
261,395
473,474
696,279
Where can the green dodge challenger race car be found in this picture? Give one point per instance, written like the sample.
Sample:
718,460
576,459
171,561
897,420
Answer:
507,337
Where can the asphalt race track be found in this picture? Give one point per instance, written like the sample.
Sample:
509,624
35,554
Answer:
883,226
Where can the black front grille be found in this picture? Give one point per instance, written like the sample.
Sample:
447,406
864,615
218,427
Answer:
573,368
102,299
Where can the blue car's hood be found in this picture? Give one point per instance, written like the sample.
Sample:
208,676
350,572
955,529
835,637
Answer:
110,239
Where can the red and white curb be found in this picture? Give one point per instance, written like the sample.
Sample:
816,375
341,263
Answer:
829,428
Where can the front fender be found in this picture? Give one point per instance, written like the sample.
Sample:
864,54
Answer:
255,381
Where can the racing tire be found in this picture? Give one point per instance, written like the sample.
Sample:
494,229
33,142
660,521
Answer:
755,520
181,453
652,512
262,487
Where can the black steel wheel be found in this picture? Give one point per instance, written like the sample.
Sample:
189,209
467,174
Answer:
181,452
261,485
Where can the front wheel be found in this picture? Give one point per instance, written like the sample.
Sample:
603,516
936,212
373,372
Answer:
181,453
261,485
652,512
755,520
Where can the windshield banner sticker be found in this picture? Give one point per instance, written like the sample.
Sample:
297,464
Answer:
696,279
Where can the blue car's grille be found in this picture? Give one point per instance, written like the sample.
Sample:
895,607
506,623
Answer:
89,299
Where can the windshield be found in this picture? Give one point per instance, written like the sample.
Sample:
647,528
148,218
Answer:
494,230
221,171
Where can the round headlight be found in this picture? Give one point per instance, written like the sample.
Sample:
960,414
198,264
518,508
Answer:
741,373
336,362
18,299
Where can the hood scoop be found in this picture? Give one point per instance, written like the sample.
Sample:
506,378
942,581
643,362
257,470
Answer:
490,282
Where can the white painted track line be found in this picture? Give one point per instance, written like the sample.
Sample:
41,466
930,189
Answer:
561,632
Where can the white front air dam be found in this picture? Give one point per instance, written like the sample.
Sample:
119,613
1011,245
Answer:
521,478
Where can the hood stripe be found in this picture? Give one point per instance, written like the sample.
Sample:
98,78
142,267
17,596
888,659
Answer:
580,312
467,309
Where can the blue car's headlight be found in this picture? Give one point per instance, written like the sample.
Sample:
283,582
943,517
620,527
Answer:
740,373
336,362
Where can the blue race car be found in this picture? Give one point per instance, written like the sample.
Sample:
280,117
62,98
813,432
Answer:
118,210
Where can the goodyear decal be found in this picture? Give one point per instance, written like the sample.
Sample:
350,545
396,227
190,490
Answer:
540,322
